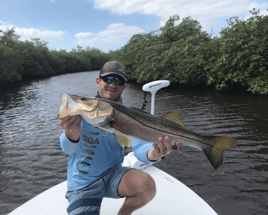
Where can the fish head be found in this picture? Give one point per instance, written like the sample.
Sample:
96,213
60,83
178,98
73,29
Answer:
94,111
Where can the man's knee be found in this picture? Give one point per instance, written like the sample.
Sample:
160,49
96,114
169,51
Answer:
139,189
139,183
146,186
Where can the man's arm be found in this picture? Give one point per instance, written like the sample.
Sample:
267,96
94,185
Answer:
72,128
141,150
67,146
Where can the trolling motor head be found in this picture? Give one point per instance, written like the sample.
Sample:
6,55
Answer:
153,87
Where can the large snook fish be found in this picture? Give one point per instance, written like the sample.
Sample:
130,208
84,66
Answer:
128,123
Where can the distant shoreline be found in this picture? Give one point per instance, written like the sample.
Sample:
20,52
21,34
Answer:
201,86
6,85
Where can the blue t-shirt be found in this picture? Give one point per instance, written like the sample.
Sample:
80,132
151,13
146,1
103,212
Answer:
95,154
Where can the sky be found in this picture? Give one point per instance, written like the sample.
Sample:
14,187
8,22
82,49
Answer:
109,24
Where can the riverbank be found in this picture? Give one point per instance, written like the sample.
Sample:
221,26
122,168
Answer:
232,88
30,60
185,54
17,84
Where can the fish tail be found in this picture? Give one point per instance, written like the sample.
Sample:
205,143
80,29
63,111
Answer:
214,150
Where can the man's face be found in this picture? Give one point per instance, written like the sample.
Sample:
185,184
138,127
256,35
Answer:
110,91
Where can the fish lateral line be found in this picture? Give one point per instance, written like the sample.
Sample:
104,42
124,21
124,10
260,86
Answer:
111,123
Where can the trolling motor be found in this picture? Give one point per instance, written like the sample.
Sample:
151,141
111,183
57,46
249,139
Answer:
153,87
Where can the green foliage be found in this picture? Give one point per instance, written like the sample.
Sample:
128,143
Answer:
9,37
180,52
242,56
183,53
96,56
175,52
172,32
32,59
10,68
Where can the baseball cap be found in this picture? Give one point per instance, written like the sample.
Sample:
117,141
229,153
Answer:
113,67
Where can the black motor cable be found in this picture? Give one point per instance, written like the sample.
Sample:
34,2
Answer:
144,103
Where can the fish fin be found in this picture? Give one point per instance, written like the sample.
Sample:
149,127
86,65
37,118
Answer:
214,152
123,140
137,109
174,117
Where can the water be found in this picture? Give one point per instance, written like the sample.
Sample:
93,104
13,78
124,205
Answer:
32,161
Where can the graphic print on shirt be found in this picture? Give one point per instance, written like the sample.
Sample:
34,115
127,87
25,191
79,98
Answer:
87,153
90,140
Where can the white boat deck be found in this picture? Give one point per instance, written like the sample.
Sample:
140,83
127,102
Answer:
172,198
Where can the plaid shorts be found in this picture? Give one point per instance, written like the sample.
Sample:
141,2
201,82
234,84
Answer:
87,201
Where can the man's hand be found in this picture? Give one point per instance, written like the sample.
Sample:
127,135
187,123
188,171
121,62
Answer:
161,149
72,126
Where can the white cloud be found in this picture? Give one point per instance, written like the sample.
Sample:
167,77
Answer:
115,35
206,11
28,33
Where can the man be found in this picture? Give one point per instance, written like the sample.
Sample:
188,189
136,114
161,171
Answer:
94,165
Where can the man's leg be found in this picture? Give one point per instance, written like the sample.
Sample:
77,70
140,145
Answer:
139,189
86,200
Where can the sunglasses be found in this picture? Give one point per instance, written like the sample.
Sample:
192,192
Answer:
118,80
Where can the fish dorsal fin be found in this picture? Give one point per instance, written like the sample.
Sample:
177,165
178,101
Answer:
174,117
137,109
123,140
